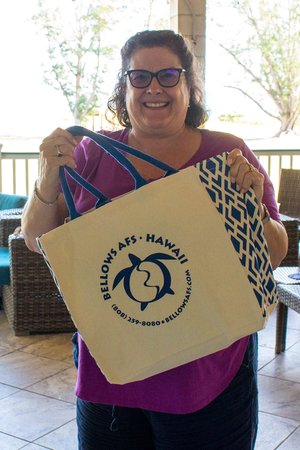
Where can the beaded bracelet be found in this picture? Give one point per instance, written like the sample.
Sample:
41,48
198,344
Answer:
38,196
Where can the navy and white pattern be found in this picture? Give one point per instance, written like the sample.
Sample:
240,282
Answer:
241,216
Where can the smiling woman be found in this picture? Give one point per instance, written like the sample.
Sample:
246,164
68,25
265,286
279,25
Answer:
152,107
208,403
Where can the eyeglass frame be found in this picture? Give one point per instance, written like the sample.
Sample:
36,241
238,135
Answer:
180,70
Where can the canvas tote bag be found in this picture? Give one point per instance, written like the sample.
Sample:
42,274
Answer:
172,271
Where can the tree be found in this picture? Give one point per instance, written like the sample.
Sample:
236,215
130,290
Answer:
270,55
76,53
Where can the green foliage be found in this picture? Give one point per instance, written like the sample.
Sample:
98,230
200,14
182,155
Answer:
267,47
77,56
232,118
78,45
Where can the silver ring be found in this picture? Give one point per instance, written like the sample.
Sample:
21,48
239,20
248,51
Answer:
59,154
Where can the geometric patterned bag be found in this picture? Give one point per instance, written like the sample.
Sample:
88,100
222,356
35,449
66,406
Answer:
240,214
170,272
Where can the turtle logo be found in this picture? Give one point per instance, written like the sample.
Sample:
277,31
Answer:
146,281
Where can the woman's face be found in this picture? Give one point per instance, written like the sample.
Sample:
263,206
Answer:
156,109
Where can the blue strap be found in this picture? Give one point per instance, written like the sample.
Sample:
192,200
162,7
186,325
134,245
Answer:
101,198
112,147
67,193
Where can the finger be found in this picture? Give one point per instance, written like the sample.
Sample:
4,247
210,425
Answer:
55,155
245,174
238,168
60,144
251,178
57,160
241,171
57,150
57,145
64,136
231,158
234,158
255,180
78,139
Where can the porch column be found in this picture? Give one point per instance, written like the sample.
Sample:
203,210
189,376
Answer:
188,17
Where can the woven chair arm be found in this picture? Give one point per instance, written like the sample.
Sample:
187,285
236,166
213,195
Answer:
32,302
29,272
292,228
10,219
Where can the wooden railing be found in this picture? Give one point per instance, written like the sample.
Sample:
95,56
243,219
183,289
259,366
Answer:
274,160
19,170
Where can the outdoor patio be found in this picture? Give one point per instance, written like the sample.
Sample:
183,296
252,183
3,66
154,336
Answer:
37,379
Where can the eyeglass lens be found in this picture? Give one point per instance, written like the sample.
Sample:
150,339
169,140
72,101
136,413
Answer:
165,77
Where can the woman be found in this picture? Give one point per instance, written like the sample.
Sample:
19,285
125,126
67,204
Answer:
210,403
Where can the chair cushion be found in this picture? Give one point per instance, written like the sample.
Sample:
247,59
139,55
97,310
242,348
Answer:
9,201
4,266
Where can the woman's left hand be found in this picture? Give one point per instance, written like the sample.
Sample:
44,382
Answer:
244,174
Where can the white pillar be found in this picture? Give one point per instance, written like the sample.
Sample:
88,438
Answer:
188,17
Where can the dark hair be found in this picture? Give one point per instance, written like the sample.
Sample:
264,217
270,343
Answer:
196,114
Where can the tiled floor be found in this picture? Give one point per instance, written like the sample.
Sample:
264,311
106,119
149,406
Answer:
37,407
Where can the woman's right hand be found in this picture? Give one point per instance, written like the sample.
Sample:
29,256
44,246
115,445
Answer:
46,208
56,150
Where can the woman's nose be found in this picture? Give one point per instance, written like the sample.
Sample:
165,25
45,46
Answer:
154,86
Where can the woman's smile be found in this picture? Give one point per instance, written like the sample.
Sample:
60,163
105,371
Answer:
156,104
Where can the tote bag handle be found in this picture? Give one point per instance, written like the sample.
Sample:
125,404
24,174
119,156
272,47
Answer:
112,147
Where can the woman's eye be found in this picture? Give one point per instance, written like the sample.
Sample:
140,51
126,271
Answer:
168,76
140,76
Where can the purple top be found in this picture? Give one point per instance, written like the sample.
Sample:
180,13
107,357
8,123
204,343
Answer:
189,387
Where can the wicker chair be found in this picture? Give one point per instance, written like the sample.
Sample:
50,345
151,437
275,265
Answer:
291,225
289,208
8,202
9,220
289,193
32,302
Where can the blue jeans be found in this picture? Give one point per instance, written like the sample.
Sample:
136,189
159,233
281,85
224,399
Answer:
227,423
